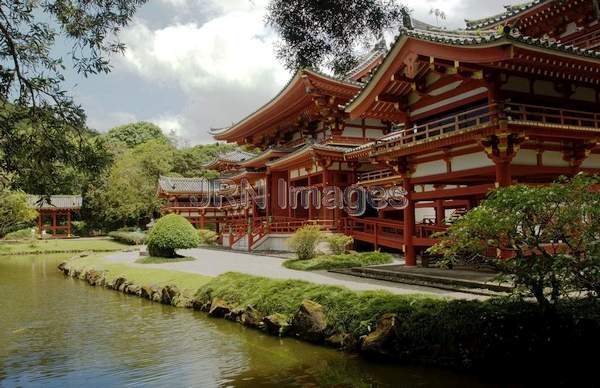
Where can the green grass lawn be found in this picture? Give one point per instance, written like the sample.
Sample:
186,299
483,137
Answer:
46,246
162,260
140,276
339,261
347,310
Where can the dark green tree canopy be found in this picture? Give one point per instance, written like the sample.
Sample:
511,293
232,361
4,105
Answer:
134,134
40,124
318,33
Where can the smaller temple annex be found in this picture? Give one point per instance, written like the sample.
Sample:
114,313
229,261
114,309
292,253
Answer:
447,115
55,213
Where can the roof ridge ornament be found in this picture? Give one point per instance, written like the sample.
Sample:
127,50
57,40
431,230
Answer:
407,20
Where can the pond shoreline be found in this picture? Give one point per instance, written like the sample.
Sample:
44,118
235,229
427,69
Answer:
405,329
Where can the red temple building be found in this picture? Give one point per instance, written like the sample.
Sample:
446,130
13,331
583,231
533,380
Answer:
448,115
55,214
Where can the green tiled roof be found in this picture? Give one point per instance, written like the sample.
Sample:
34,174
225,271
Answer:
473,38
509,12
182,185
56,202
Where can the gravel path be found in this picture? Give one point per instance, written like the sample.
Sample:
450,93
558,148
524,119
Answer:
216,262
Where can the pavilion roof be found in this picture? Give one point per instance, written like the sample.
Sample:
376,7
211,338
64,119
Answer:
510,12
234,157
368,62
306,152
289,104
179,185
265,156
55,202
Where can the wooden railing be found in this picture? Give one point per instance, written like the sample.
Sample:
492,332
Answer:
388,233
482,117
547,115
374,175
290,225
339,139
380,232
588,41
474,118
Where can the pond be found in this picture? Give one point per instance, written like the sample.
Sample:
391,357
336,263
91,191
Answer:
57,331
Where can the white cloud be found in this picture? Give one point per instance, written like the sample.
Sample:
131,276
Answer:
189,75
224,6
233,48
170,124
109,120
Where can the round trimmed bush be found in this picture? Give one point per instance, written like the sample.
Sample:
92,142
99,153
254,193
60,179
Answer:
170,233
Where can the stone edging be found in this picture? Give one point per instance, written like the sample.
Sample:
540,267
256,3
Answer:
57,252
308,323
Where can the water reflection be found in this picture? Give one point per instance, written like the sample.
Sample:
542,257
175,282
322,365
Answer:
56,331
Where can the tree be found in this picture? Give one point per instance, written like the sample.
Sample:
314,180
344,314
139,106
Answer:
38,119
438,14
189,162
549,236
127,196
318,33
62,169
134,134
14,212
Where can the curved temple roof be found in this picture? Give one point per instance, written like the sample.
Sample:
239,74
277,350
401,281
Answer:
179,185
484,48
293,99
56,202
232,157
511,11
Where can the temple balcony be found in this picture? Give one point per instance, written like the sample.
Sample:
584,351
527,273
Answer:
489,117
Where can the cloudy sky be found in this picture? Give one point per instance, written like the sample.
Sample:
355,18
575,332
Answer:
192,65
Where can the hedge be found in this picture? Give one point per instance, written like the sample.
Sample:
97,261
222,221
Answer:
129,238
497,335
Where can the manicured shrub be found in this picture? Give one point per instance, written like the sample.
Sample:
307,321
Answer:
304,241
549,233
170,233
129,238
208,237
339,243
22,234
348,260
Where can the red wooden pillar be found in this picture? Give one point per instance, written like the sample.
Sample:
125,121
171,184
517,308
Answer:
40,222
440,212
268,195
503,179
69,223
202,215
409,226
54,224
503,176
309,199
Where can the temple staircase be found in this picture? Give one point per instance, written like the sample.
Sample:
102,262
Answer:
456,215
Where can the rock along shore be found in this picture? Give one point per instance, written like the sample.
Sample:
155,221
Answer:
308,323
466,334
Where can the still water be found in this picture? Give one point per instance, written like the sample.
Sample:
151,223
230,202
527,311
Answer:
57,331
